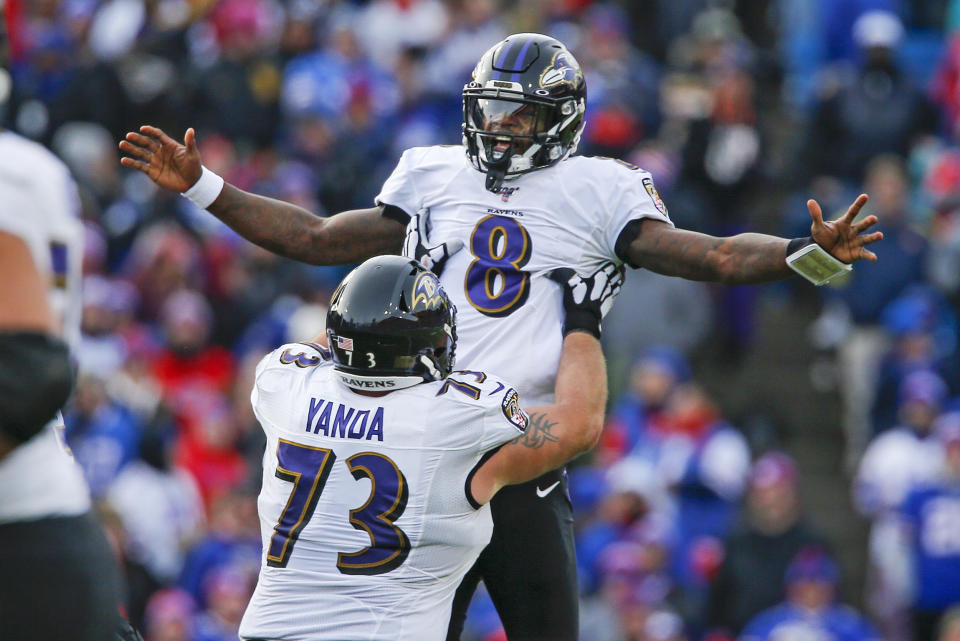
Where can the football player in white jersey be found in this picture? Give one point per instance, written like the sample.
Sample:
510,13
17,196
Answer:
381,459
58,579
517,204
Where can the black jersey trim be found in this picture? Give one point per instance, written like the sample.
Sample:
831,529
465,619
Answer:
627,235
466,485
394,213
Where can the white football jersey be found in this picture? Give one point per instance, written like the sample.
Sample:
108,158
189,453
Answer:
39,203
509,315
366,523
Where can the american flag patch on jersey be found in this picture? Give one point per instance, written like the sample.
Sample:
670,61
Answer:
345,343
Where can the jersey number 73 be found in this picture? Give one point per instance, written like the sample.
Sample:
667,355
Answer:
308,468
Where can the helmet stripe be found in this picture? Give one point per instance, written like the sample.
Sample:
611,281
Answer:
519,65
500,63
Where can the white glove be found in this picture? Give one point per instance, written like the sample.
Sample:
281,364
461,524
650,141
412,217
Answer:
416,244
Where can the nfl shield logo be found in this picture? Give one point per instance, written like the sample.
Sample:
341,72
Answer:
506,192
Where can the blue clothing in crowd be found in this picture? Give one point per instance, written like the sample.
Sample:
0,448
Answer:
833,623
933,513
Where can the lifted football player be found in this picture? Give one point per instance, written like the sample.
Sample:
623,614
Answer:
520,204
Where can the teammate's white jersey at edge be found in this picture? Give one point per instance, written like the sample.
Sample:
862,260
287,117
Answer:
38,478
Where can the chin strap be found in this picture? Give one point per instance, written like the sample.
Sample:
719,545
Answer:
495,174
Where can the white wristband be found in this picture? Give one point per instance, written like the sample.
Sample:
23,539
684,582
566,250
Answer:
816,265
206,190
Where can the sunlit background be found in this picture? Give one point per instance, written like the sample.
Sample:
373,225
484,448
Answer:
776,446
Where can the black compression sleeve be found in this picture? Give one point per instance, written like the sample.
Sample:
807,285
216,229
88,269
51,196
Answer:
627,235
35,381
798,243
395,213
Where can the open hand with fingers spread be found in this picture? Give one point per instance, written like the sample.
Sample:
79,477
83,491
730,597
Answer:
845,239
168,163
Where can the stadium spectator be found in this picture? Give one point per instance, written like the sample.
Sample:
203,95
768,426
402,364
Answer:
679,315
869,291
705,461
624,84
161,260
159,505
473,26
139,584
103,435
930,512
244,79
634,583
946,85
392,25
810,609
876,109
189,366
923,332
226,593
757,555
231,540
170,616
893,464
635,505
102,348
642,407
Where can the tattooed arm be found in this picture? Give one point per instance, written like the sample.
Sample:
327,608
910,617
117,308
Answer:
747,258
556,433
293,232
280,227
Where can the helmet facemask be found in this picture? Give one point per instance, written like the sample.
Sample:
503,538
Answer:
523,108
508,134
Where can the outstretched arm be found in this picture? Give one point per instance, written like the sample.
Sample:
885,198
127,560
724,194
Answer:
290,231
747,258
280,227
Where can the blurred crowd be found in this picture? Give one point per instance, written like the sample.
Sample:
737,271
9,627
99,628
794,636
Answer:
687,528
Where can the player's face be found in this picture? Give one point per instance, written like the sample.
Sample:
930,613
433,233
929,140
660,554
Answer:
513,118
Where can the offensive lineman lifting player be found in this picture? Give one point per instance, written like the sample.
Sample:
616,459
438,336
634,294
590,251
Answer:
381,459
519,204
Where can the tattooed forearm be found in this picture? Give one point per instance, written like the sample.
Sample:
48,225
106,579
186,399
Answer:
755,258
741,259
294,232
538,432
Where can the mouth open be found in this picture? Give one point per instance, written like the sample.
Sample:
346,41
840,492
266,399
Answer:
501,145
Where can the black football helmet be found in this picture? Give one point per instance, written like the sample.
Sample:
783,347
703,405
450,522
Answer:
524,107
391,325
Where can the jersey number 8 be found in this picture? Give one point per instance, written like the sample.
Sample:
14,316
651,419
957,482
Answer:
496,284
